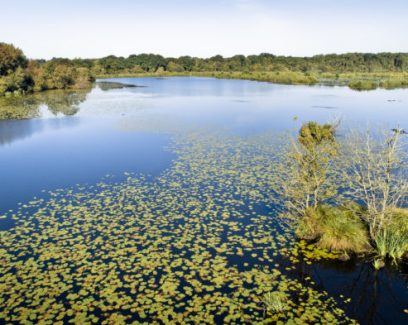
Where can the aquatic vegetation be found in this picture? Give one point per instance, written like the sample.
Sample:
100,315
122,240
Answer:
341,229
362,85
274,302
109,85
202,243
321,181
392,243
378,263
279,77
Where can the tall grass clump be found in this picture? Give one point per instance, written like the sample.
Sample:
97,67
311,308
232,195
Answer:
391,243
342,230
392,240
274,302
335,228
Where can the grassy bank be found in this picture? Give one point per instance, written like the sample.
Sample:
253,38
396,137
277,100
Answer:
288,78
366,81
355,81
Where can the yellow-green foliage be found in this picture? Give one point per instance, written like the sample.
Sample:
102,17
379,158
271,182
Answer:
335,228
363,84
159,250
392,241
280,77
312,133
400,219
308,226
394,83
274,302
306,181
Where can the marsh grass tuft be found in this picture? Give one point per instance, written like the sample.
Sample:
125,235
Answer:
274,302
392,243
363,85
378,263
335,228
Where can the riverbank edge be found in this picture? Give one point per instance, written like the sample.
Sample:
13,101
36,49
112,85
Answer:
358,81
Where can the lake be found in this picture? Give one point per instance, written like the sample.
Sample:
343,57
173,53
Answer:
151,203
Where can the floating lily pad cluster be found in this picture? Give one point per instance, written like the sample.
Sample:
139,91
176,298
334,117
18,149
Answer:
201,243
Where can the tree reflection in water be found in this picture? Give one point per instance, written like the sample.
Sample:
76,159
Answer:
65,102
377,297
21,117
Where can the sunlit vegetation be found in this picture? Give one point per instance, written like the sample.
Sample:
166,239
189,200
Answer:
308,183
366,80
363,85
281,77
357,70
274,302
319,64
202,243
335,229
349,196
18,75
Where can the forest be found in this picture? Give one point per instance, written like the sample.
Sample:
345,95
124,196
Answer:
361,71
19,75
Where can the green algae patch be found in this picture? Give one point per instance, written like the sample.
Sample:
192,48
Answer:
202,243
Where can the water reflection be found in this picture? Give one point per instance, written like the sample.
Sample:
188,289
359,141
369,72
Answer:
13,130
377,297
55,103
17,114
119,129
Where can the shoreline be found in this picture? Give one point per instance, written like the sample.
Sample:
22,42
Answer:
358,82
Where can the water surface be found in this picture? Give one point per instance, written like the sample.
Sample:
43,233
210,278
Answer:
57,140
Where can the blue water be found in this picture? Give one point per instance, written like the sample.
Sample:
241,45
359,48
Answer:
129,129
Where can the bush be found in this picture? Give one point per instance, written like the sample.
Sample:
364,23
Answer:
312,133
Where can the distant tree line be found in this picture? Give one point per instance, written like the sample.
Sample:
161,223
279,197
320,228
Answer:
332,63
20,75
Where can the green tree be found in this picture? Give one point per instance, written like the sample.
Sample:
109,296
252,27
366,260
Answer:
307,181
10,59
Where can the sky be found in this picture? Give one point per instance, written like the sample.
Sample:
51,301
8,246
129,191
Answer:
97,28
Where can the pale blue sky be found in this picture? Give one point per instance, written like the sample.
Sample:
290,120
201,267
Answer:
96,28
